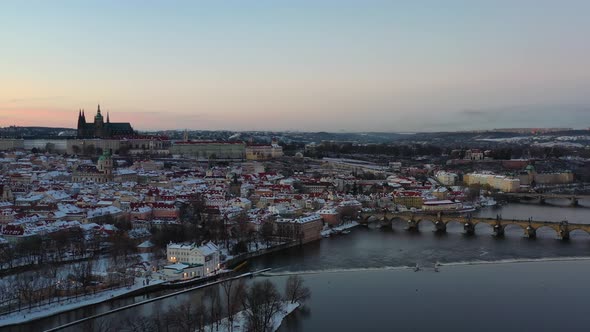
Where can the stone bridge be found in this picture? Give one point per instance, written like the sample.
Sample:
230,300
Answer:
498,224
541,197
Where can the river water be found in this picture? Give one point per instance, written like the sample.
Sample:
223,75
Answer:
361,281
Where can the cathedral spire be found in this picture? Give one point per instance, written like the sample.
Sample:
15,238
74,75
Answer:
98,111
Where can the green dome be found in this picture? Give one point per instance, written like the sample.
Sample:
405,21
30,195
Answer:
530,168
105,155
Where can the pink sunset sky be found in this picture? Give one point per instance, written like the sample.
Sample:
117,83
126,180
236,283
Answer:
306,65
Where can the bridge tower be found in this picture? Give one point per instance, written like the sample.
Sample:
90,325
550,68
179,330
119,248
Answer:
498,228
469,227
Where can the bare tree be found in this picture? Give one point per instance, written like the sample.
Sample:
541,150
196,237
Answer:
99,325
25,290
295,291
267,231
138,324
233,290
7,256
201,316
183,318
82,272
261,303
215,309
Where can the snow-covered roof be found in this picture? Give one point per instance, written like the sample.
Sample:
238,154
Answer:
177,266
103,211
208,249
146,244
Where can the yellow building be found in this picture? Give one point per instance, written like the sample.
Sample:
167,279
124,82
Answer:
409,199
263,152
209,149
500,182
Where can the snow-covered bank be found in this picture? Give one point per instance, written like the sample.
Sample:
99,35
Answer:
339,228
241,319
26,315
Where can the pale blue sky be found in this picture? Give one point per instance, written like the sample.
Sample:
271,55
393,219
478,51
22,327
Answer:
299,65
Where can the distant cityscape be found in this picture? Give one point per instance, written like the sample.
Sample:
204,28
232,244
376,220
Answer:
120,211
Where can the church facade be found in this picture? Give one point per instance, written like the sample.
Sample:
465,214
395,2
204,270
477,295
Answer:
101,129
101,173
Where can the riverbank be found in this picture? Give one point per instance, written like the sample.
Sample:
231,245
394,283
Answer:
123,308
339,229
240,323
28,315
242,258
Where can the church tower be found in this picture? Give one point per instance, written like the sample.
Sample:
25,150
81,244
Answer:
105,165
98,124
81,123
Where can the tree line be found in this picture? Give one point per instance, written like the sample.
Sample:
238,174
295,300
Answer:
218,308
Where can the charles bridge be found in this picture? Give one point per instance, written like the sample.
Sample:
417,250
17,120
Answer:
542,197
498,224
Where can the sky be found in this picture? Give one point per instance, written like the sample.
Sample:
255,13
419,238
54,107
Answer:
297,65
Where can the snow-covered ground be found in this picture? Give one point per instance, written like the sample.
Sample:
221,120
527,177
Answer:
55,308
240,319
339,228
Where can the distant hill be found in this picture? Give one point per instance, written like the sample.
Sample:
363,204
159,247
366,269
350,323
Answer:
36,132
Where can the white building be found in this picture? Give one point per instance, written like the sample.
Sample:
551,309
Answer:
446,178
189,260
474,154
395,166
442,205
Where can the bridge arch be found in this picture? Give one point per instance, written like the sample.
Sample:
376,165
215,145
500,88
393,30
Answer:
426,220
454,225
453,220
369,218
579,232
395,218
510,225
545,228
483,228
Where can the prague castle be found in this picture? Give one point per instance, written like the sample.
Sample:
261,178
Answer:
101,129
